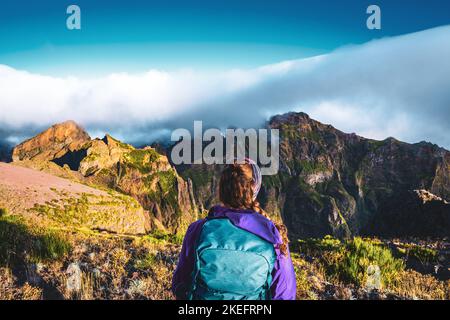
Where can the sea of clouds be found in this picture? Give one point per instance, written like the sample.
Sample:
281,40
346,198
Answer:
398,86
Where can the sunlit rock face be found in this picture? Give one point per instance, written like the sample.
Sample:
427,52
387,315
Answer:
52,144
67,150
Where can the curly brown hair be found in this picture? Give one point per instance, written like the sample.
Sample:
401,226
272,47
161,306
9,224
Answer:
236,192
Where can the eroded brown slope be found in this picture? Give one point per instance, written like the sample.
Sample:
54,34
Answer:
49,199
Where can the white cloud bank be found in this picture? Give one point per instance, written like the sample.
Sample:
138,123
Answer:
396,86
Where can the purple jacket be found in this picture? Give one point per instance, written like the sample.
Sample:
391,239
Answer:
283,276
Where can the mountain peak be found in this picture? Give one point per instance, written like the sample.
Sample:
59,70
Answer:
52,143
290,117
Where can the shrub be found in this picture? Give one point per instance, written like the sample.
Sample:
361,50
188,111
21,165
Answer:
18,242
140,159
158,283
49,246
177,238
349,261
423,254
160,235
146,261
419,286
306,278
358,254
314,246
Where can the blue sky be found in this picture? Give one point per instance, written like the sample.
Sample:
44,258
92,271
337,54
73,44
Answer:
133,35
139,69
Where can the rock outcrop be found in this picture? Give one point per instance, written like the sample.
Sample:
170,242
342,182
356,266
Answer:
144,174
61,140
102,154
418,212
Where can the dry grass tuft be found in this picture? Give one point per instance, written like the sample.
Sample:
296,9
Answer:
415,285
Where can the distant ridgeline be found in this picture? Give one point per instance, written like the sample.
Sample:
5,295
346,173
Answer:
329,182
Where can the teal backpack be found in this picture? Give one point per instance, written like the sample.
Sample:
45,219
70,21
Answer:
231,264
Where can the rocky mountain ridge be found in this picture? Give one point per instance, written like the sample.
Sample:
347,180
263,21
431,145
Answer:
342,184
66,149
329,182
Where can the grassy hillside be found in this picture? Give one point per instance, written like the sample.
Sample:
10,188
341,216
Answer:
44,263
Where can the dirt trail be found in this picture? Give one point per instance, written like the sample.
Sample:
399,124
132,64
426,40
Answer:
21,188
